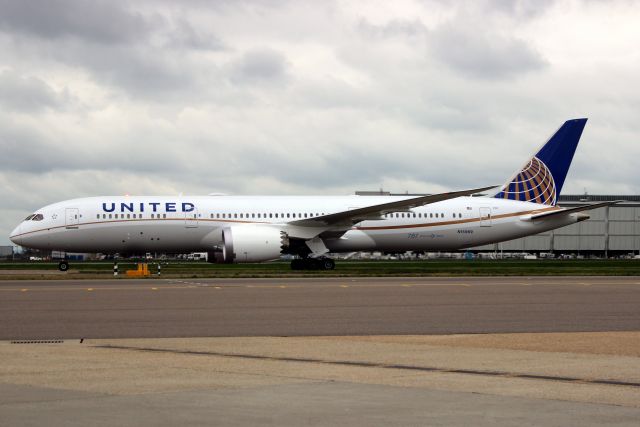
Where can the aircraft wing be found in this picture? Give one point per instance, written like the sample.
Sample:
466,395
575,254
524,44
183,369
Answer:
558,212
375,212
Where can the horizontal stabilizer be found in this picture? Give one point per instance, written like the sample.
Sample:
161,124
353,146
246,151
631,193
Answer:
573,210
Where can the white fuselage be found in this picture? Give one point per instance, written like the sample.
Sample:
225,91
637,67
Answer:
195,224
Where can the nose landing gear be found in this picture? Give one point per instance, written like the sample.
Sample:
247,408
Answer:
321,263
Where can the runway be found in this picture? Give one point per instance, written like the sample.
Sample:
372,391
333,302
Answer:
65,309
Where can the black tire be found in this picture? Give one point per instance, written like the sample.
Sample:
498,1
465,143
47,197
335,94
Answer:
328,264
63,266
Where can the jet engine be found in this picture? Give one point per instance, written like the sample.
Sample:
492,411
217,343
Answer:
252,243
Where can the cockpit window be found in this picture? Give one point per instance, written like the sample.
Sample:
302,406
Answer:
29,217
37,217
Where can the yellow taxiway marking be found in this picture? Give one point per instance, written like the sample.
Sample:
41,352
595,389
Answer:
154,289
362,284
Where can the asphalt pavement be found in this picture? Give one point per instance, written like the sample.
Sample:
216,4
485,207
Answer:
156,308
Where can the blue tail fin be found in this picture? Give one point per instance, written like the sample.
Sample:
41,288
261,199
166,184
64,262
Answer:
541,179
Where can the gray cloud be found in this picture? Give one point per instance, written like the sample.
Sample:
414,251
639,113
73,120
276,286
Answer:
27,93
482,54
260,65
408,28
97,21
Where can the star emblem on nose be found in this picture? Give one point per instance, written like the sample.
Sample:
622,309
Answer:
54,216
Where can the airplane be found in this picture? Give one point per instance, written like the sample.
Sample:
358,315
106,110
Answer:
239,229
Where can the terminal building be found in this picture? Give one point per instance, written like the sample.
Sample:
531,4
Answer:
611,231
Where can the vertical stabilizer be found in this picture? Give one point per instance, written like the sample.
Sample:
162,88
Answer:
542,177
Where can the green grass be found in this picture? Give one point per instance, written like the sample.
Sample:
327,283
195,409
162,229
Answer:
356,268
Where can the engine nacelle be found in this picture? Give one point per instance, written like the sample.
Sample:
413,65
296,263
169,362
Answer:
252,243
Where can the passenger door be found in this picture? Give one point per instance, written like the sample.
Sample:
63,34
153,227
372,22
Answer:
191,219
485,216
72,217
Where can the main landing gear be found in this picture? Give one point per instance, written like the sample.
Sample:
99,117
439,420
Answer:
321,263
63,266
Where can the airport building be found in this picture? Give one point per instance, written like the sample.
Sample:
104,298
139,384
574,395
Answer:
6,252
610,231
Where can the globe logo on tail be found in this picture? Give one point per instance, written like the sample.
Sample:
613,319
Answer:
534,183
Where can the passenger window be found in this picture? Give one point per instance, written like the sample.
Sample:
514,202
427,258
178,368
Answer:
98,216
110,216
128,216
164,215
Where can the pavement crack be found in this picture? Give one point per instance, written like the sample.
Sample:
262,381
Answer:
365,364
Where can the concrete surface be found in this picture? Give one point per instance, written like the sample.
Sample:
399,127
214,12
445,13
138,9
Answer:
412,380
325,306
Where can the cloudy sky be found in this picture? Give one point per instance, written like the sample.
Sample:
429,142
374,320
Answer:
317,97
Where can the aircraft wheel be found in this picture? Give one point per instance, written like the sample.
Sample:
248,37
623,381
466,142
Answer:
63,266
328,264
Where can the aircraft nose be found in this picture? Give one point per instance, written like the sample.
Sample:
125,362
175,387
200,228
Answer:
15,235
